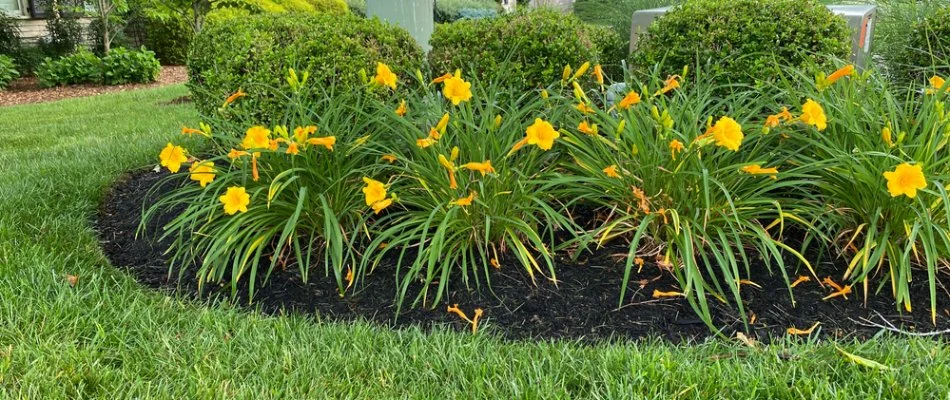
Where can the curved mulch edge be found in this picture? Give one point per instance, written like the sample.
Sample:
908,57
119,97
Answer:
582,306
27,90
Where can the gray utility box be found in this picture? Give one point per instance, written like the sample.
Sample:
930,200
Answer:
415,16
860,19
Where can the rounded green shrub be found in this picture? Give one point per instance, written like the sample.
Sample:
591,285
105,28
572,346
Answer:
8,71
255,53
526,49
928,50
743,41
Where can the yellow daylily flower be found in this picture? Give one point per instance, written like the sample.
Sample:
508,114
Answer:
936,83
172,157
542,134
727,133
374,191
632,98
906,179
235,200
385,76
256,137
202,172
814,115
381,205
457,89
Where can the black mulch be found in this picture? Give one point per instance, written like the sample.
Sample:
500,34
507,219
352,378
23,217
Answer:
583,305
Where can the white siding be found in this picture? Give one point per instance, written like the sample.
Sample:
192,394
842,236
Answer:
32,30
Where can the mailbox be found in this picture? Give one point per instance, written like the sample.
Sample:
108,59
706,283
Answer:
860,19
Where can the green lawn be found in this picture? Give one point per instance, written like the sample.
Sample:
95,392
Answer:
110,338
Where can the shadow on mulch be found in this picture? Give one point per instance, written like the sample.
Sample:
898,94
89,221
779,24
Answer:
583,305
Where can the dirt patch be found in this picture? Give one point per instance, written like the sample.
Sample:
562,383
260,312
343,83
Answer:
27,90
583,305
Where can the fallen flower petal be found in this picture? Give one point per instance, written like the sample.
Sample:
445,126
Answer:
750,283
802,332
658,294
844,292
832,283
801,278
478,315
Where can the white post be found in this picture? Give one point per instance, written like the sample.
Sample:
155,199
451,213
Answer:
415,16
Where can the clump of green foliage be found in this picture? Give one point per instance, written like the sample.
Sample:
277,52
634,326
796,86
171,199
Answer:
120,66
8,71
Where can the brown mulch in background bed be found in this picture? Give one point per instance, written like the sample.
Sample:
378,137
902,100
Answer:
27,90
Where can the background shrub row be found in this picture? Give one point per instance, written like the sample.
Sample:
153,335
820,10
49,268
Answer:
120,66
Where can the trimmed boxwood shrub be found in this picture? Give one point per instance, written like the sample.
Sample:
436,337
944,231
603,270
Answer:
255,53
928,50
526,49
741,40
8,71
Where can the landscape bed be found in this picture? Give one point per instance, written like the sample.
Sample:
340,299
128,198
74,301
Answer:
582,306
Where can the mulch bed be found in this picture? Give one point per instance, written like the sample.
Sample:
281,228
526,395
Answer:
584,304
27,90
